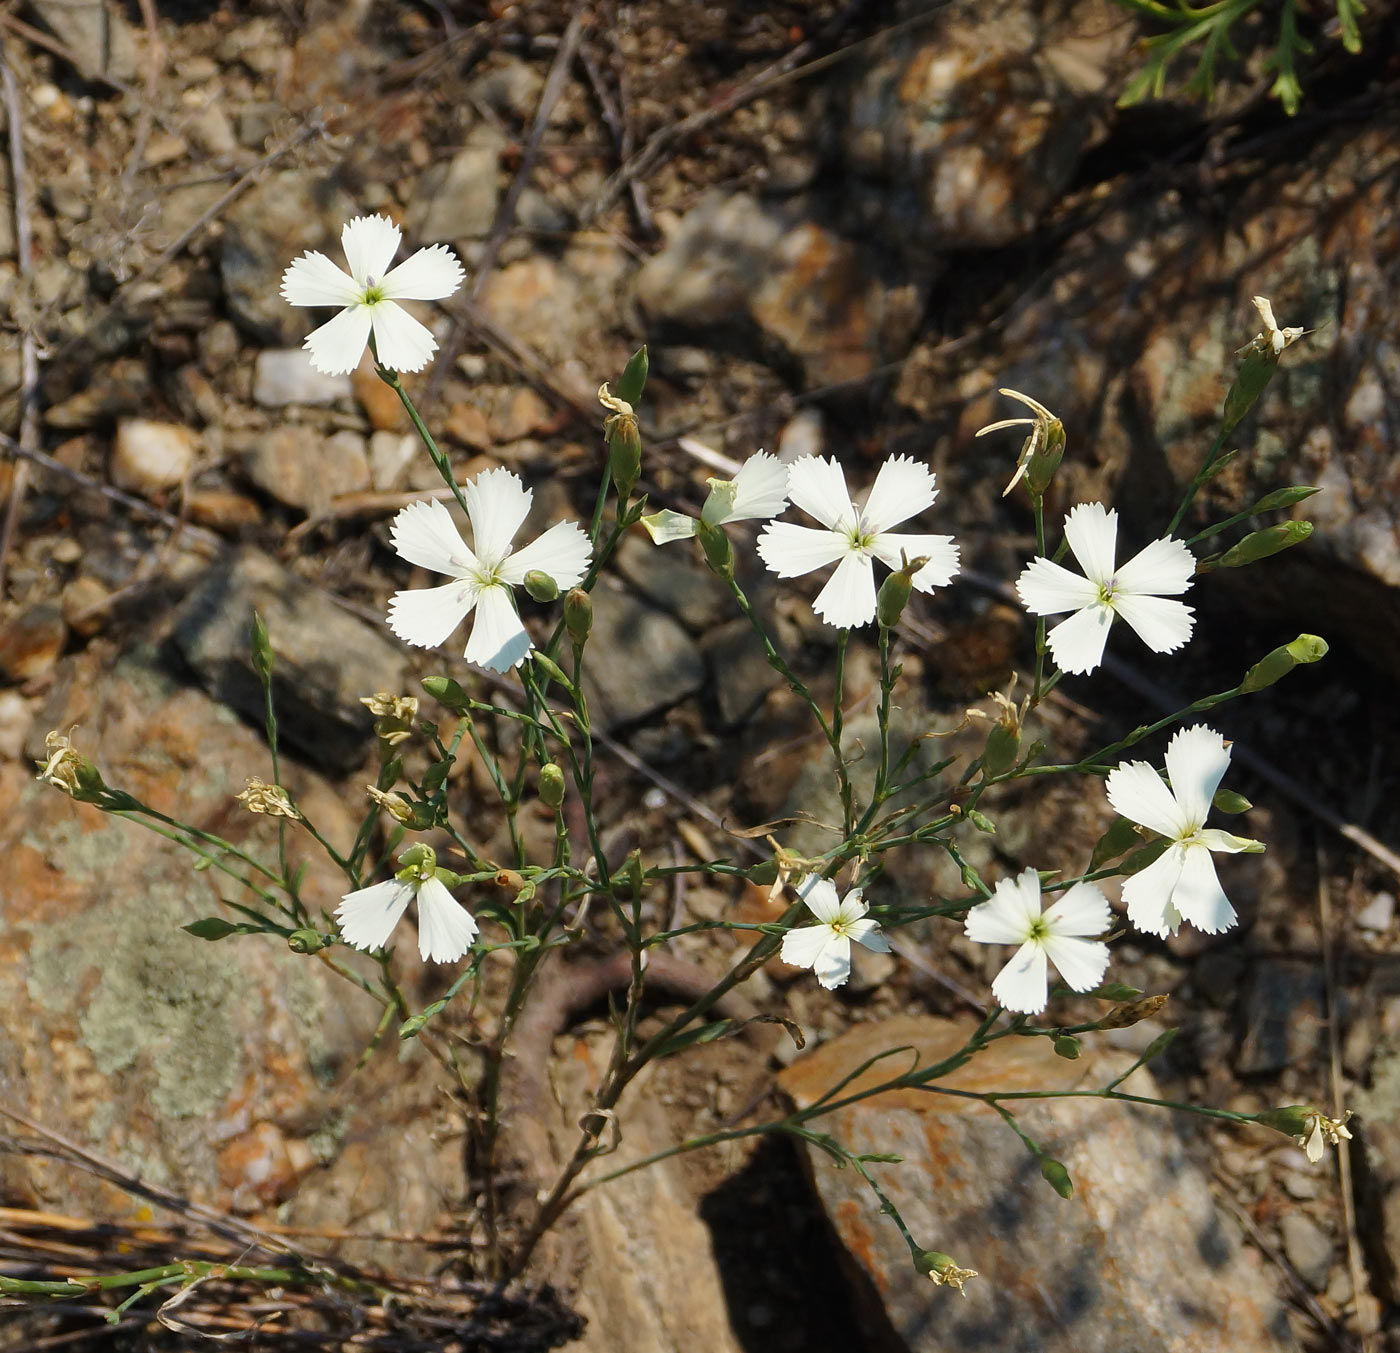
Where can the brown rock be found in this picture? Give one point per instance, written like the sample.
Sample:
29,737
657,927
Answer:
85,606
382,406
1084,1275
30,643
519,413
467,424
150,457
223,510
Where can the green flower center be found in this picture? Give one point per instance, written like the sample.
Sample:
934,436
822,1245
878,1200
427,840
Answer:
374,293
1039,931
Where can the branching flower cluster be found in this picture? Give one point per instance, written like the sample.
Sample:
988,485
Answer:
536,744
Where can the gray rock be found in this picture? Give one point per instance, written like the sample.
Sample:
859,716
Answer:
297,466
739,668
676,579
103,42
1378,914
1084,1275
458,199
639,660
283,376
326,658
1308,1248
1284,1015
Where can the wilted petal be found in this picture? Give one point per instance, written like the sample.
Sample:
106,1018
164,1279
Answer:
401,342
665,526
337,346
430,275
848,599
1077,644
425,534
425,616
892,548
903,488
1162,569
1198,895
498,641
370,243
1197,759
561,553
1092,532
368,916
818,487
313,279
446,928
790,551
1048,588
1022,985
1137,793
1160,622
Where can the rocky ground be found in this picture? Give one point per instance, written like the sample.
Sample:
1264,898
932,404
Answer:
839,228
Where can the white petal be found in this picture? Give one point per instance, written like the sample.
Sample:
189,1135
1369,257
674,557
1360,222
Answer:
833,963
1137,793
1006,917
370,243
446,928
941,553
1199,897
497,502
425,534
1080,910
1197,758
1077,644
403,344
1092,532
337,346
665,526
902,489
425,616
1162,569
790,551
430,275
368,916
561,552
1161,623
853,907
820,896
313,279
1149,894
1048,588
802,947
1082,963
848,598
868,933
1022,985
760,490
818,487
498,641
1225,843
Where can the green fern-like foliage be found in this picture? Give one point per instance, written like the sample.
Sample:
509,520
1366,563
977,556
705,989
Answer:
1205,31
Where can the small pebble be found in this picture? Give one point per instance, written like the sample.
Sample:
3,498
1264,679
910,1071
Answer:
85,606
1307,1248
1378,914
150,457
31,642
16,719
283,376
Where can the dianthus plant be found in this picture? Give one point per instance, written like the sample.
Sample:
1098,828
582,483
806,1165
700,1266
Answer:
515,695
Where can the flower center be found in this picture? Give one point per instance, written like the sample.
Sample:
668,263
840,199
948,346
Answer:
1108,593
374,292
1039,931
839,926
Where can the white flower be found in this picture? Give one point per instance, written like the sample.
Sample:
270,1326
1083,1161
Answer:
1273,337
1012,915
446,928
1180,885
853,537
1319,1132
368,297
758,491
424,534
826,947
1137,591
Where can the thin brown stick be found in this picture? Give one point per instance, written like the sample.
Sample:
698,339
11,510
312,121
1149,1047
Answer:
51,44
620,125
146,112
29,351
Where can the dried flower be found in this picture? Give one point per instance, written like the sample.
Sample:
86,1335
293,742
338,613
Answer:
261,797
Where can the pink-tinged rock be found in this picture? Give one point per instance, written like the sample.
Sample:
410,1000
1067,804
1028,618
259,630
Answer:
1139,1259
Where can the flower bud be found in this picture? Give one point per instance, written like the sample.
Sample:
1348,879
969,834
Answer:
1067,1046
551,785
1261,544
896,590
308,941
624,443
634,377
262,650
446,691
719,553
541,586
764,874
398,807
1306,648
1132,1012
1057,1177
578,615
1271,502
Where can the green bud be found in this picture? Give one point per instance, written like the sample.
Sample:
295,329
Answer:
1230,802
764,874
1218,466
1121,836
412,1026
895,592
1253,377
211,928
1067,1046
624,442
1306,648
578,615
1261,544
981,821
1002,749
446,691
551,785
1158,1045
719,553
1057,1177
1291,1119
262,650
634,377
1116,991
1271,502
308,942
541,586
1045,459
